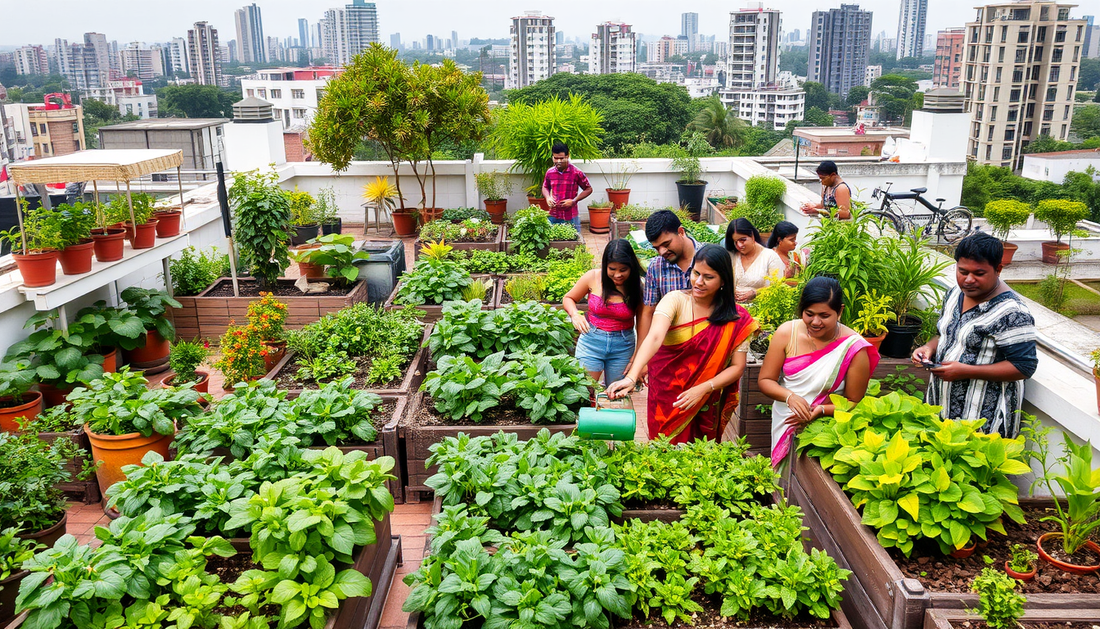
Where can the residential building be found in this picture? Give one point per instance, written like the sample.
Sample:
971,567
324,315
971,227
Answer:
947,69
614,49
348,31
128,95
753,59
689,29
844,141
178,58
303,32
276,51
205,55
251,44
395,41
772,105
840,43
17,139
532,54
31,60
196,137
1054,167
1092,39
107,69
912,18
77,63
659,51
140,62
57,126
228,52
294,93
870,74
1019,77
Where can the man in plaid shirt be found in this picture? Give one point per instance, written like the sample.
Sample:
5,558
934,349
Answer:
560,186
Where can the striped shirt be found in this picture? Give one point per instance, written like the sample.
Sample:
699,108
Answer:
991,332
662,277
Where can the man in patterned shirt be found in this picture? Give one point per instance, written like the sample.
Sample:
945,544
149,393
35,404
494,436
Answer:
986,344
672,270
560,186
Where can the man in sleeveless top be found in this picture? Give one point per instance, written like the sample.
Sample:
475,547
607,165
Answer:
835,193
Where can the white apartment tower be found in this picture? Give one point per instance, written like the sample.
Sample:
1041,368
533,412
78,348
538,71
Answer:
31,60
752,89
614,49
178,59
102,52
205,60
251,45
911,25
532,49
348,31
1019,77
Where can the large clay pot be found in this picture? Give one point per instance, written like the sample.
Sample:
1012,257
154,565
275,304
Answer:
497,209
38,269
145,236
113,452
152,357
77,259
599,219
310,270
1009,251
29,407
618,198
107,243
53,395
875,341
1067,567
168,223
539,201
404,222
48,536
110,361
1051,249
429,214
202,386
275,352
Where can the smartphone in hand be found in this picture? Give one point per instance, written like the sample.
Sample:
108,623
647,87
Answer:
928,364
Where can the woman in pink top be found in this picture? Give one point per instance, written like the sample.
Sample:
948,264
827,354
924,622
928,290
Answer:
614,292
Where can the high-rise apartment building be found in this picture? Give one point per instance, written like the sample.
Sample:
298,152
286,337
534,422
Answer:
532,49
912,18
659,51
689,26
1019,76
102,50
395,41
753,59
947,69
178,59
303,32
78,63
348,31
613,50
840,45
251,44
31,60
141,62
205,55
1092,39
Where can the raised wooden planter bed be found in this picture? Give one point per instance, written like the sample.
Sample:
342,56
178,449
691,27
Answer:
409,383
622,229
496,244
435,313
504,299
417,440
86,491
214,314
950,618
186,319
878,595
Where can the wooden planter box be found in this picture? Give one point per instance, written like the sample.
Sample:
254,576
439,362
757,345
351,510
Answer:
435,313
878,595
417,440
944,618
186,319
86,491
622,229
500,303
496,244
215,313
410,383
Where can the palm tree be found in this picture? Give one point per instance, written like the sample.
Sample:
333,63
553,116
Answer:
720,127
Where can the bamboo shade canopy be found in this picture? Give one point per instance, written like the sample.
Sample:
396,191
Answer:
91,165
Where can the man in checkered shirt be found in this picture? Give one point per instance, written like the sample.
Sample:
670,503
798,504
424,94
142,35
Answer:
560,186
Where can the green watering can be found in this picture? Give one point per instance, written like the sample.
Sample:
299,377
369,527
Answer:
611,420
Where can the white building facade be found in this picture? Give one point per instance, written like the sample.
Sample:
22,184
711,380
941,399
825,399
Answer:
1054,167
532,53
613,50
753,90
294,93
912,20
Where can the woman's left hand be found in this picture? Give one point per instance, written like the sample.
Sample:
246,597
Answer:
692,397
815,412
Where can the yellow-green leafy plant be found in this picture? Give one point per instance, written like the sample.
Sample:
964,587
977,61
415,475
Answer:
874,312
1004,214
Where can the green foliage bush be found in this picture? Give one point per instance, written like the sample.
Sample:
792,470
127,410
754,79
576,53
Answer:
763,196
261,213
1004,214
1061,215
530,231
192,274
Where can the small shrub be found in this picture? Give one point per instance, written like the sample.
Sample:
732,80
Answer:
531,230
1004,214
185,357
528,287
195,270
999,604
563,231
243,354
1061,215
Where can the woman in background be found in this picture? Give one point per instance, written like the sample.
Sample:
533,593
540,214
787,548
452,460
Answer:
784,241
836,195
753,263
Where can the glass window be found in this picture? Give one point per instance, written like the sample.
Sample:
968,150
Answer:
1012,114
1021,38
993,113
298,94
1006,152
1055,72
1014,96
1052,93
1001,55
1056,55
276,93
1041,34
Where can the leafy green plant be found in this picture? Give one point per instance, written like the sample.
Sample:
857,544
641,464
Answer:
441,230
1078,482
1061,215
385,369
464,389
151,306
237,421
338,255
325,367
261,212
493,186
302,212
687,163
530,231
459,214
111,327
1022,560
16,378
325,207
336,414
549,387
184,358
526,287
998,602
850,251
193,271
120,404
75,222
562,231
911,274
31,469
55,356
14,551
434,280
633,213
774,304
873,314
1004,214
41,229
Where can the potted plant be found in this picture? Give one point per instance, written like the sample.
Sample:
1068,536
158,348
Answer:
1061,217
14,550
184,359
302,216
495,187
383,194
1079,516
763,195
42,238
1002,215
124,419
111,329
307,268
909,273
599,216
76,224
1021,565
169,219
243,355
691,190
267,318
337,256
326,210
874,312
61,358
618,184
107,239
16,399
144,236
530,232
151,306
32,469
261,213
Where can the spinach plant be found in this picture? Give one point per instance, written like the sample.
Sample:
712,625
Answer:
464,389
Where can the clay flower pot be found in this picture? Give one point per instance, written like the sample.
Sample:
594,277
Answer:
497,209
429,214
875,341
404,222
29,407
38,268
963,553
1009,252
618,198
77,259
539,201
145,236
275,352
168,223
1051,249
152,355
107,243
48,535
1022,576
310,270
1063,565
53,395
114,452
202,386
599,219
110,361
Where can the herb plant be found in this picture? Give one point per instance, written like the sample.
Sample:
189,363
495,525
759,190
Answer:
434,280
530,231
30,469
337,254
184,358
460,214
527,287
464,389
999,604
194,270
151,306
75,222
563,231
55,356
1022,560
119,404
14,551
1078,482
336,414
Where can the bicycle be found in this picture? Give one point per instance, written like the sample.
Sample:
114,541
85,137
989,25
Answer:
949,226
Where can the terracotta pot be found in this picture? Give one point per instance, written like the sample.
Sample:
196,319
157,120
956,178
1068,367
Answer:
168,223
1022,576
539,201
48,536
77,259
599,220
145,236
202,386
107,244
30,407
1067,567
618,198
497,209
429,214
53,395
404,222
1051,249
963,553
875,341
1010,250
9,590
113,452
110,361
275,352
154,351
310,270
37,269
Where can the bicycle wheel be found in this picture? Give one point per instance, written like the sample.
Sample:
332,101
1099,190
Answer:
955,224
887,222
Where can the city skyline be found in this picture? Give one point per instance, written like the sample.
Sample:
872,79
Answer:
68,19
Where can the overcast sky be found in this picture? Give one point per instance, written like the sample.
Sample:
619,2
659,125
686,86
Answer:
40,21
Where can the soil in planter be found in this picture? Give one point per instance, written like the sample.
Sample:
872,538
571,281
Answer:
285,288
287,378
507,414
228,569
710,618
941,573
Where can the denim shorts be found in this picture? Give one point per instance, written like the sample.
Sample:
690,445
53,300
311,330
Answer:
608,352
575,221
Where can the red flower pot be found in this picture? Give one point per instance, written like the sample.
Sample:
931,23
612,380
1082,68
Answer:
168,223
875,341
1063,565
38,268
618,198
29,408
539,201
404,222
76,259
110,361
496,210
107,243
153,352
113,452
53,395
1009,251
1022,576
275,352
599,219
963,553
310,270
145,236
1051,249
429,214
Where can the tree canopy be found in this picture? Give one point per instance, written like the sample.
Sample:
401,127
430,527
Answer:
1086,122
897,97
195,101
720,126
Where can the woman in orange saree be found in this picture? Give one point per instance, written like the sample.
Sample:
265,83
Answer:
696,352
